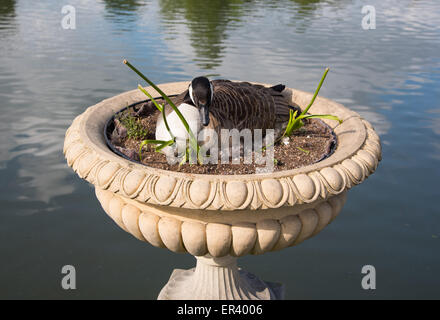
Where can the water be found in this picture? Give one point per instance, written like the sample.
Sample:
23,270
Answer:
391,76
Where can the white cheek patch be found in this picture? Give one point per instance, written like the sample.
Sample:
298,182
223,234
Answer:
212,91
191,94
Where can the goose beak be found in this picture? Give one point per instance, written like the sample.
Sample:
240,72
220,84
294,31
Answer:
204,114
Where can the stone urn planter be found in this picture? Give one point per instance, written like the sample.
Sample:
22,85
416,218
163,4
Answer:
220,218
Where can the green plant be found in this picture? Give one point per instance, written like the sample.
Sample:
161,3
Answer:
303,150
160,145
160,107
193,145
135,129
296,123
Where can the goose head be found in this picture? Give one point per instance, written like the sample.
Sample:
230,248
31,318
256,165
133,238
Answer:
201,94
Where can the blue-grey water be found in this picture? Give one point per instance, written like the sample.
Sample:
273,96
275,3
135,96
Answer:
390,75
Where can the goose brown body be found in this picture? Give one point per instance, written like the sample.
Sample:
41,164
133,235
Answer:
242,105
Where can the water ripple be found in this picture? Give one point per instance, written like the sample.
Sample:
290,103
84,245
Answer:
390,75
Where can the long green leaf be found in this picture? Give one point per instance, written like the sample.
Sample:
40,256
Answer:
143,143
158,106
293,124
322,116
303,150
193,140
164,116
288,130
163,145
316,92
296,123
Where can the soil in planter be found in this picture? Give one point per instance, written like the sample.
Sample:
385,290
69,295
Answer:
313,142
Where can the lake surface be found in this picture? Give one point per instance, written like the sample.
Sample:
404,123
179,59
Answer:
49,217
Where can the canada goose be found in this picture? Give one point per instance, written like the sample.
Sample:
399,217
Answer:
223,104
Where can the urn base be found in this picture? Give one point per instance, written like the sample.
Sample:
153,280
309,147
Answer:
218,279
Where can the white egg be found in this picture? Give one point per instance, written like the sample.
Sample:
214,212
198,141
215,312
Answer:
192,116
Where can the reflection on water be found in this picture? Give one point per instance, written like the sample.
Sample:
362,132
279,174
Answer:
7,9
121,7
302,15
7,15
207,21
48,75
124,11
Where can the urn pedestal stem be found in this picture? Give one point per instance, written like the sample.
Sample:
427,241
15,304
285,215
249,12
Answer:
218,279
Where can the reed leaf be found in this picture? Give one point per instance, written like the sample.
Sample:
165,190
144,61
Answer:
192,139
161,143
296,123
